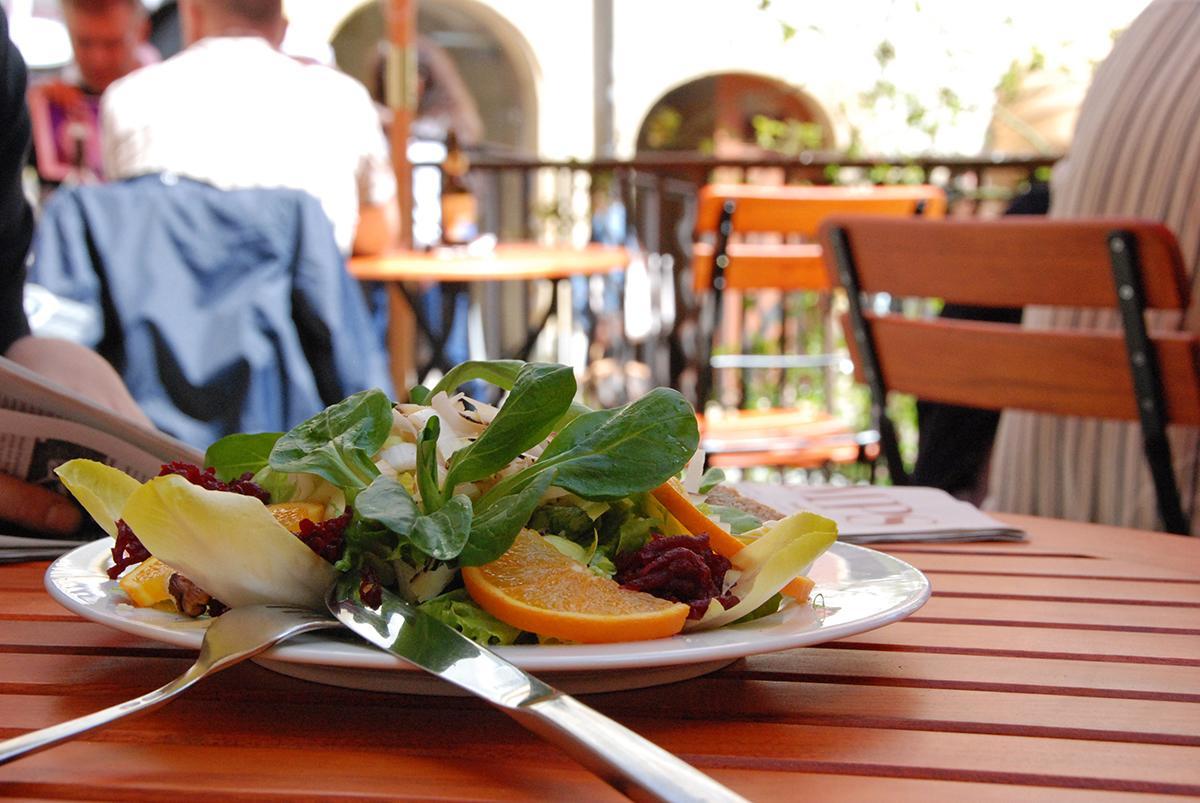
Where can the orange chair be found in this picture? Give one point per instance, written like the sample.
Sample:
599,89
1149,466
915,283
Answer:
1123,264
751,239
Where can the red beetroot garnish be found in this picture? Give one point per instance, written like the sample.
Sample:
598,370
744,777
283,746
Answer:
127,550
325,538
207,478
681,568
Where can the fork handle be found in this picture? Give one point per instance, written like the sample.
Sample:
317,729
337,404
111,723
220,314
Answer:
635,766
34,741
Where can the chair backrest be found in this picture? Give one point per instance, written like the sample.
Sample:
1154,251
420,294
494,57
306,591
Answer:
795,214
224,310
783,254
1122,264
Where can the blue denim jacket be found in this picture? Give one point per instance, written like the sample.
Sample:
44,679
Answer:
224,310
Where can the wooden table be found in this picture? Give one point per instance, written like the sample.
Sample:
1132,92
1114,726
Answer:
1064,668
459,267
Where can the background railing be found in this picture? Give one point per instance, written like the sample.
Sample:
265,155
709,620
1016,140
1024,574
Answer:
649,203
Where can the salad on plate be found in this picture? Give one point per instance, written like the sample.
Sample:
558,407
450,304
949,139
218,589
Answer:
535,521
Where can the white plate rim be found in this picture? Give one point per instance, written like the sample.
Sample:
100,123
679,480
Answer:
867,590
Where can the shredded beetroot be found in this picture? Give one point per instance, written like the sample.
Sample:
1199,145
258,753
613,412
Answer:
127,550
325,538
681,568
207,478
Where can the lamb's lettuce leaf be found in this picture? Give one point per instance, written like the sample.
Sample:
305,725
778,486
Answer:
234,455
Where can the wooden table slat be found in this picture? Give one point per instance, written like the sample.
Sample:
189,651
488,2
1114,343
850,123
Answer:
1064,668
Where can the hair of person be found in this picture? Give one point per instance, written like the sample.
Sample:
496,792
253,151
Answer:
257,12
100,6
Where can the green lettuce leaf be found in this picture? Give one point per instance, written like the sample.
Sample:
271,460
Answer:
738,521
458,610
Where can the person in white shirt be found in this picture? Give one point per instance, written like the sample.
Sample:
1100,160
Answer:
234,111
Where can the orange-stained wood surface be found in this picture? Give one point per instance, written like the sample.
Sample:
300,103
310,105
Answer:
507,262
1065,668
1009,262
1000,365
788,213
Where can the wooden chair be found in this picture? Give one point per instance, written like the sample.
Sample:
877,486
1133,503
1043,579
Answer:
1123,264
751,239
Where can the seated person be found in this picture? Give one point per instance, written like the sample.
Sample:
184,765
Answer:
1133,154
65,363
233,111
108,38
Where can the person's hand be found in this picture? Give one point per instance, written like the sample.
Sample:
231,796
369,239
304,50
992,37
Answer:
67,96
36,508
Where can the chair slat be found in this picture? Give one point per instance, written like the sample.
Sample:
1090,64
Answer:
787,218
996,366
755,266
1011,262
800,210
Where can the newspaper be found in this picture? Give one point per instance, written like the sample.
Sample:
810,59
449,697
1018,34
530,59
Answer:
43,425
873,514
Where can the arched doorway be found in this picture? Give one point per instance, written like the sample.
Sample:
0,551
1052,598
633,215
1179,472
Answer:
488,53
735,114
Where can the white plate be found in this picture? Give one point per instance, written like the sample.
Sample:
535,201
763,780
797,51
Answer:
857,590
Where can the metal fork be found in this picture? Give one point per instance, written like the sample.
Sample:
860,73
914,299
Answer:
236,635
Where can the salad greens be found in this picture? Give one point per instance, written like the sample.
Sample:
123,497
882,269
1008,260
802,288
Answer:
598,455
229,545
338,442
425,488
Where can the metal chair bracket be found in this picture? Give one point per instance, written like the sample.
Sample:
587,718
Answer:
1147,385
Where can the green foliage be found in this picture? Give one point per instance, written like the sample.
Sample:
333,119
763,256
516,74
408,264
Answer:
234,455
338,442
788,137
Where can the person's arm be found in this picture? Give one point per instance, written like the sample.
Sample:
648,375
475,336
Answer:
80,369
378,228
378,214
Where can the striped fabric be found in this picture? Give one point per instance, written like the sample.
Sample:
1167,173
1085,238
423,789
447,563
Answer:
1136,152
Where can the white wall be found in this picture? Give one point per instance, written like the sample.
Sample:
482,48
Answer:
963,45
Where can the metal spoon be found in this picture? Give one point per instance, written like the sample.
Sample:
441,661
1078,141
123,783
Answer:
237,634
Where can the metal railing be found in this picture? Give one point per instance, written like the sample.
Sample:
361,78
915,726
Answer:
570,201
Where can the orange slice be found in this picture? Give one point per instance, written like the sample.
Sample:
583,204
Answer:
290,514
147,584
677,503
535,587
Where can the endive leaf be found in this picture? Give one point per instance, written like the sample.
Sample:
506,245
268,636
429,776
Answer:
228,544
101,489
782,552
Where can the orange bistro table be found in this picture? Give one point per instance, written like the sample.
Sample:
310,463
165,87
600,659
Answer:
459,267
1064,668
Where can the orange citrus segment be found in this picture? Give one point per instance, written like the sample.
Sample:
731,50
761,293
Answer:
146,585
677,503
290,514
535,587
